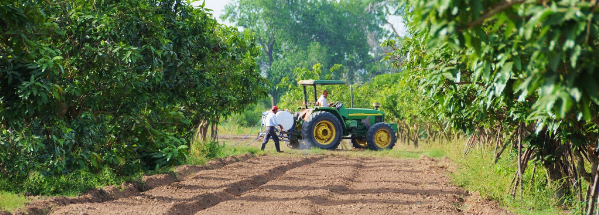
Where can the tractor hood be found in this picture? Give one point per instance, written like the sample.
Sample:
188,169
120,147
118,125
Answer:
360,113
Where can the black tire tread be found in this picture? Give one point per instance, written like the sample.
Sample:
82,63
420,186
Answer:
308,126
355,144
372,130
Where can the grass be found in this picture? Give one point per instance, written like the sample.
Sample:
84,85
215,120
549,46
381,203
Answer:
227,128
11,202
536,196
72,184
202,152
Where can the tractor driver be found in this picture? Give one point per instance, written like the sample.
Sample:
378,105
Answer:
322,101
270,122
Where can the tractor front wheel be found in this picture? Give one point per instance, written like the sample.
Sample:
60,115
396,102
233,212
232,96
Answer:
322,129
381,136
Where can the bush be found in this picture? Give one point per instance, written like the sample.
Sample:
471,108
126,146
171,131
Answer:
70,184
250,117
203,151
212,149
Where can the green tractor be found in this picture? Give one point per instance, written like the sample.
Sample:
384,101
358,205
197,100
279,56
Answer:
325,127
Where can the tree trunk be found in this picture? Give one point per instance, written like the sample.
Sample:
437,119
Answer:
555,167
592,193
580,165
202,130
214,130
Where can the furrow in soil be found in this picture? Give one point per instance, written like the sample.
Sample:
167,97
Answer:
199,191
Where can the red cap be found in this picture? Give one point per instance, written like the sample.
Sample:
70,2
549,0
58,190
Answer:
274,108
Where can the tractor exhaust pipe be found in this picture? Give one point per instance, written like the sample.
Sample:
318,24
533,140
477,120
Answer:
376,105
351,94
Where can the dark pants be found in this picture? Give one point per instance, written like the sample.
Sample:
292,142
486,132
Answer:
270,132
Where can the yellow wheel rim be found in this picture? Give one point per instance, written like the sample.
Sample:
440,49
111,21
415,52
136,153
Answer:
382,138
362,142
324,132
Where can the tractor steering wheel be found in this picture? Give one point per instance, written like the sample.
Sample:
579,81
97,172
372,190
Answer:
337,104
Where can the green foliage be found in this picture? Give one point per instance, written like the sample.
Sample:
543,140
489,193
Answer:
212,149
70,184
517,68
201,152
250,117
525,61
522,71
114,84
537,197
299,34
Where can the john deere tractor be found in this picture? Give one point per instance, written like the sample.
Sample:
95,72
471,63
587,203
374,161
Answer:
325,127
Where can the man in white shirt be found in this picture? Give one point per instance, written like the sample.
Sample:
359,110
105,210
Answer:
270,122
322,101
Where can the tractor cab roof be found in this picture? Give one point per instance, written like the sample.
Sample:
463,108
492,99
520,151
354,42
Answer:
320,82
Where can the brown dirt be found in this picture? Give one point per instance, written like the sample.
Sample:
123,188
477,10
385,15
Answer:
292,184
45,205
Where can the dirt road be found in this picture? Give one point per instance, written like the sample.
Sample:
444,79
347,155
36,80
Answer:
297,184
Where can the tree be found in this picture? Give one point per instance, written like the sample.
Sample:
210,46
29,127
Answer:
299,34
523,68
120,84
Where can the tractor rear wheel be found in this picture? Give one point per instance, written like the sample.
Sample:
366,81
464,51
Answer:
359,142
381,136
322,129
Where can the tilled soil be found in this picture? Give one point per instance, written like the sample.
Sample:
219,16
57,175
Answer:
300,184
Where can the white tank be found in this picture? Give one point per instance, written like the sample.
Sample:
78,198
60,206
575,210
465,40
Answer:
285,119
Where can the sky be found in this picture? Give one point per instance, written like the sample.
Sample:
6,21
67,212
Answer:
218,7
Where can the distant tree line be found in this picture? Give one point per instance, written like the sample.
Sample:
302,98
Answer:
302,33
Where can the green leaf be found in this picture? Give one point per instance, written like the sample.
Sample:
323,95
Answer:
448,76
575,93
503,77
590,87
44,97
567,103
517,62
554,60
574,55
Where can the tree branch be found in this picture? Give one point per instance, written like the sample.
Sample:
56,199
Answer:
393,27
498,8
